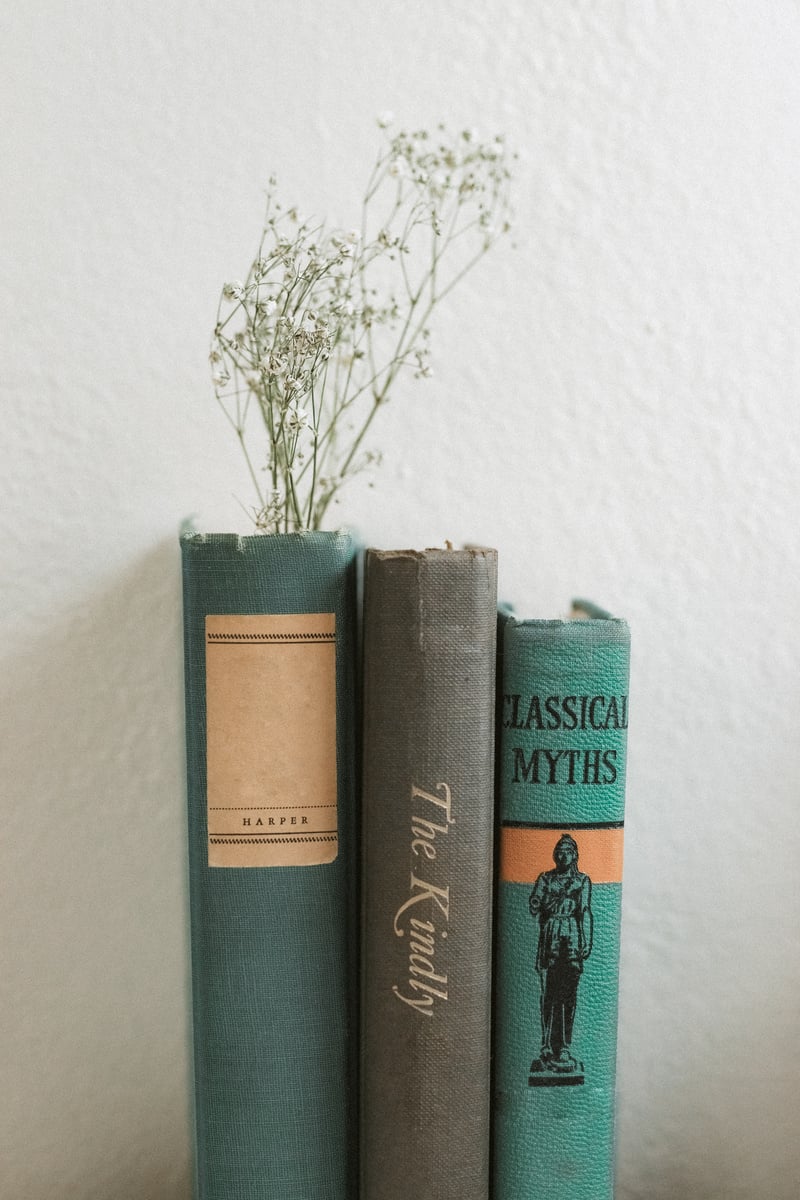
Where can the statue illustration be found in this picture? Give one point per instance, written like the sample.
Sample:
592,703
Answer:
561,903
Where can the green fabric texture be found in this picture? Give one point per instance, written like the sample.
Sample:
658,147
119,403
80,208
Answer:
554,1132
273,953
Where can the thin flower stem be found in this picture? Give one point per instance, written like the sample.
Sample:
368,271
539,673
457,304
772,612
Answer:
250,467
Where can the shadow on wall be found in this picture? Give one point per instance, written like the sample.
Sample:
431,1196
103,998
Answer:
715,1126
674,1184
94,954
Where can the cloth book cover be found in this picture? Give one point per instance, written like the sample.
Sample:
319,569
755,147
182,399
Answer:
562,728
429,677
269,626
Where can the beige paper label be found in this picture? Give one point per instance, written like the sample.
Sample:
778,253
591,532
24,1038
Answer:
271,740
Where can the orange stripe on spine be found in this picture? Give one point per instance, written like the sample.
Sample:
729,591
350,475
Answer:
525,853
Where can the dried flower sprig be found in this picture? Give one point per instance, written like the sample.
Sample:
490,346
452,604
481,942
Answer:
307,347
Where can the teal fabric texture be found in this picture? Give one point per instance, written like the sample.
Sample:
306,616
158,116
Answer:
563,715
273,948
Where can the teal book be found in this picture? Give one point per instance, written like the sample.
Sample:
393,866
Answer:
270,641
562,730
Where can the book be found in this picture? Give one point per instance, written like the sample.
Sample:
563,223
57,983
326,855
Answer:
562,729
428,767
270,626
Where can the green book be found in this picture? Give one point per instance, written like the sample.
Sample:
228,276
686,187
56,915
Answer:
428,795
269,627
562,728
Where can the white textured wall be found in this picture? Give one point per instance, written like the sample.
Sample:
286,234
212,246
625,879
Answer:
615,407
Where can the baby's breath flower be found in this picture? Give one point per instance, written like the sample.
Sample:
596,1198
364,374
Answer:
267,518
297,419
327,320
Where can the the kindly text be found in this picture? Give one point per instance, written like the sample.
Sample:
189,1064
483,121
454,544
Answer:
424,915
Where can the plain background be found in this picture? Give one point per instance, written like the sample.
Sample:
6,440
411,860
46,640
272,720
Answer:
614,407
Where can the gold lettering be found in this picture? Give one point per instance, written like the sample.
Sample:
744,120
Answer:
424,984
426,891
442,802
424,1005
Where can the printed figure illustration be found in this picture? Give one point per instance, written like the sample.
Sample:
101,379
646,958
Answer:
561,903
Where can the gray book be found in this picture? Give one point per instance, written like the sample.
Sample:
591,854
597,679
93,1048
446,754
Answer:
429,675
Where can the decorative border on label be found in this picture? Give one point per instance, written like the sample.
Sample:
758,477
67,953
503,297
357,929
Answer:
269,841
225,638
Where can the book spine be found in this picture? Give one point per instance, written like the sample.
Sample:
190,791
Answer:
563,717
429,672
269,624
